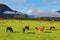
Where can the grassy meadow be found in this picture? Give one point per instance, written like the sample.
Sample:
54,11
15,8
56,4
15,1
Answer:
31,34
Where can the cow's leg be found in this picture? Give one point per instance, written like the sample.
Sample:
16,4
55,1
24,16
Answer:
53,27
50,28
23,30
11,30
7,30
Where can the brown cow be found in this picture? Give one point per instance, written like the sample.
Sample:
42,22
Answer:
40,29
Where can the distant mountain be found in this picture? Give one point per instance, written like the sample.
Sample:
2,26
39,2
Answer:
31,16
58,11
4,8
7,12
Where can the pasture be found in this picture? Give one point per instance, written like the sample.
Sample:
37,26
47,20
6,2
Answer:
31,34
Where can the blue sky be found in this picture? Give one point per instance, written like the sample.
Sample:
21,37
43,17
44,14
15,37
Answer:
30,6
35,4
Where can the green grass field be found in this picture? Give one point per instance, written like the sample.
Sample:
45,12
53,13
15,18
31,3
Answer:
31,34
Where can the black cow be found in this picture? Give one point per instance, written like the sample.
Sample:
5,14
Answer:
9,29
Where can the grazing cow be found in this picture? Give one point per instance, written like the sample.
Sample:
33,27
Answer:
9,29
41,29
23,30
52,28
27,27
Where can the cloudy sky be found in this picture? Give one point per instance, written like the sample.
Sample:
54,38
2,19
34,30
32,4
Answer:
37,8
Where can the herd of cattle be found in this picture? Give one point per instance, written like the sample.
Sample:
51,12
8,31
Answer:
40,29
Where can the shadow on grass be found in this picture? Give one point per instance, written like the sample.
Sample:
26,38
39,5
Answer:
30,32
54,29
47,32
50,31
47,29
16,32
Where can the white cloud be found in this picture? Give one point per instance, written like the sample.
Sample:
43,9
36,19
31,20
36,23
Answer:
47,13
29,12
42,13
9,12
